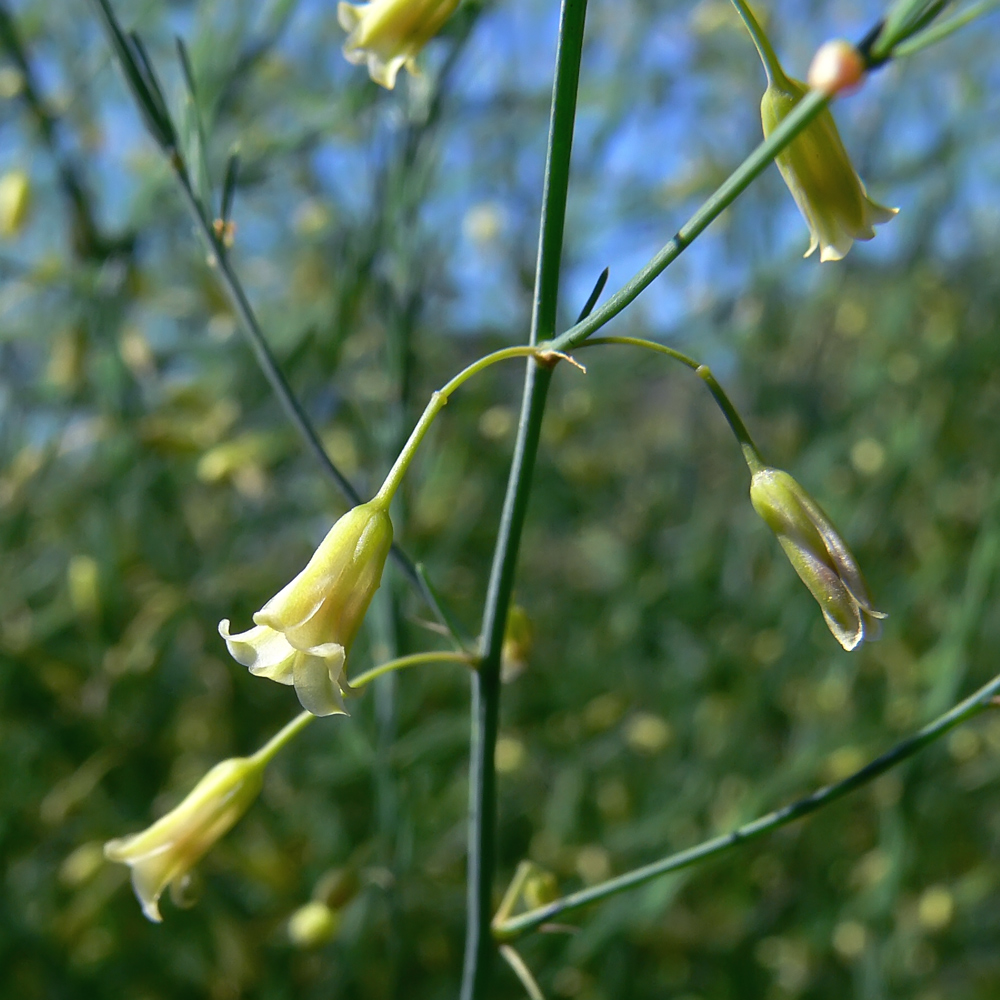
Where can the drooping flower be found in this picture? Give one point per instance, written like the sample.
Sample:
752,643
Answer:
303,634
166,851
388,34
815,166
818,554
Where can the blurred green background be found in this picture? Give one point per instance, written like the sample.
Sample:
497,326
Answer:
681,678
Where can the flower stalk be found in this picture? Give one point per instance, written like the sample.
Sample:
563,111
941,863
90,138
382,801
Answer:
162,855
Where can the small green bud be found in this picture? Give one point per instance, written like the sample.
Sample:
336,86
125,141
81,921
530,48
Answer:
818,554
15,201
303,634
518,638
312,925
540,888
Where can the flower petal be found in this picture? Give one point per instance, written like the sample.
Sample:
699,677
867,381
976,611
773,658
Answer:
266,652
841,611
317,679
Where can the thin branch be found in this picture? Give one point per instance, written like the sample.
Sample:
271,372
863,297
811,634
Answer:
523,973
87,239
143,84
730,189
972,706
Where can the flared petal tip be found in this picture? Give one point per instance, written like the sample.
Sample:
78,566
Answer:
349,16
829,253
144,883
151,910
116,850
850,639
880,214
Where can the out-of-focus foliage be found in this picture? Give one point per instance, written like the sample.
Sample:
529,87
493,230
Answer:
680,678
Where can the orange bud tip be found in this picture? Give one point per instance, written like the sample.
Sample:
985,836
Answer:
837,68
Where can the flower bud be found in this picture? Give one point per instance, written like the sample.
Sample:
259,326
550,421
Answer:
15,200
837,68
818,554
540,887
388,34
166,851
303,634
312,925
518,638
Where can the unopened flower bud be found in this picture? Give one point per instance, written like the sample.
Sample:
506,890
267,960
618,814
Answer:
388,34
15,200
313,925
540,887
518,638
303,634
818,554
165,852
837,68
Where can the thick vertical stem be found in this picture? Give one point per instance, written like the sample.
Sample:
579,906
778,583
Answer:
486,682
486,691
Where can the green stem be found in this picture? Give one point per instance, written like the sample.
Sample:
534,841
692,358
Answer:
433,408
269,366
798,118
750,453
485,707
287,733
523,973
972,706
411,660
945,28
904,18
282,737
266,361
772,67
146,90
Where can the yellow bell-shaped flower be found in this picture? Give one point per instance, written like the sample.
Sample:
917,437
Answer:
815,166
388,34
166,851
818,554
303,634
